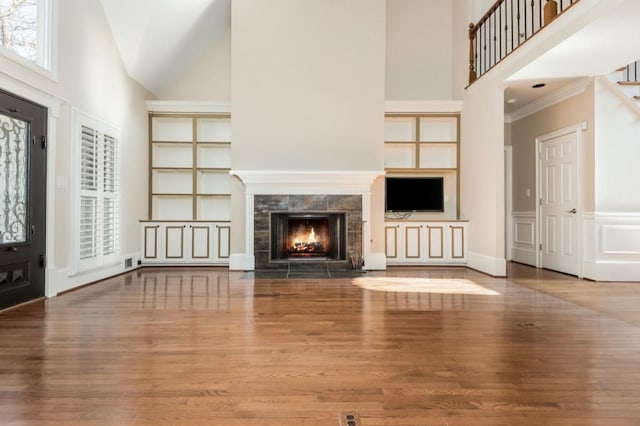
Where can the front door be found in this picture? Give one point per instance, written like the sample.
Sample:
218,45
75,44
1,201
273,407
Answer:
559,203
22,200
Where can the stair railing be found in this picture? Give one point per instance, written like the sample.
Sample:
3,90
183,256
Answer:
631,72
506,26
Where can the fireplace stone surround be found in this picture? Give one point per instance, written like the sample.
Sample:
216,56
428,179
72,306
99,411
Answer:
305,191
267,205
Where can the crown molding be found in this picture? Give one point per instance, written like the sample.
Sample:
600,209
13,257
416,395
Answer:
423,106
569,91
189,106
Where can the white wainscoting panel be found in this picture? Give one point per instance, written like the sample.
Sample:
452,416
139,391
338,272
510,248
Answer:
524,238
611,246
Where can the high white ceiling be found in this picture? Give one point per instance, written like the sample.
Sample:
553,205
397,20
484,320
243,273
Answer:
158,39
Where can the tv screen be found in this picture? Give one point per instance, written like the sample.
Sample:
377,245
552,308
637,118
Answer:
414,194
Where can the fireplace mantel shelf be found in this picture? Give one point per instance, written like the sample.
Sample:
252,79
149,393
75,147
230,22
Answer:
307,182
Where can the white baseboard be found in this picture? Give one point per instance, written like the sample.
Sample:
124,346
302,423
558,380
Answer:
612,271
242,262
525,256
494,266
60,280
375,262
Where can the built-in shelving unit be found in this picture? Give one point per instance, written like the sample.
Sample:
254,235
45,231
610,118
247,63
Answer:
425,144
190,162
189,186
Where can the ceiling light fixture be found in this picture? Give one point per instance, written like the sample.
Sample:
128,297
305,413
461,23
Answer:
511,101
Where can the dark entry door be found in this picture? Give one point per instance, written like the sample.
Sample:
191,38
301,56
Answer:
22,200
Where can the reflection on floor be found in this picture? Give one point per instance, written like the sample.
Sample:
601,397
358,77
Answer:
430,346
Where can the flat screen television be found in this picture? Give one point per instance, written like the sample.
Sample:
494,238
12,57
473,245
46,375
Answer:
414,194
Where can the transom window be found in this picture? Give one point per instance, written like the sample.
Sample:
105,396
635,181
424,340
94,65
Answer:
25,29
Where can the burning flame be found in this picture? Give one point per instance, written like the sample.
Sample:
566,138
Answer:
306,243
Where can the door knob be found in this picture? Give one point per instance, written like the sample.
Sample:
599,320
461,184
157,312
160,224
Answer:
572,211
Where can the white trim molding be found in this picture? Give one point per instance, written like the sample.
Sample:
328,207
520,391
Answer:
611,246
298,182
221,107
62,280
423,106
564,93
524,237
494,266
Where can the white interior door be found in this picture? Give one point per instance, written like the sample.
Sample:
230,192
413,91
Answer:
559,203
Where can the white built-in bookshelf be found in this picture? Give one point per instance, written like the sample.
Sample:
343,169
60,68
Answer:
190,162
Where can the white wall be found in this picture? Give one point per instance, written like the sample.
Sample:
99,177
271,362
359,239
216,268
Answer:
307,88
92,78
308,85
617,152
207,74
420,50
482,175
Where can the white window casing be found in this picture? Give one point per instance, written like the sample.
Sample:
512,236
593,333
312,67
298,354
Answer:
95,193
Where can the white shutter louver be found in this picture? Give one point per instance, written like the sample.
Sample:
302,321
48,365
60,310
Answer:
99,197
88,225
89,159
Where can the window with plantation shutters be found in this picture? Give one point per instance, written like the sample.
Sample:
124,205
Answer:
98,200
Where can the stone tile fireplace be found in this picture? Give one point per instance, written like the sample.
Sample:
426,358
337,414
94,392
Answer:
306,217
308,228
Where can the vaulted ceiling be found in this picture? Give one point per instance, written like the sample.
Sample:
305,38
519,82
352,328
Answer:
158,39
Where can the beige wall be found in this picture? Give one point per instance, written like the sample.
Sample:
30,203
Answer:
207,76
460,50
307,87
420,50
482,175
524,132
92,78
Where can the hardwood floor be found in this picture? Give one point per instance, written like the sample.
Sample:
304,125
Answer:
205,346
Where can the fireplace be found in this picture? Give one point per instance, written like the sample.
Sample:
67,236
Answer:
328,229
308,236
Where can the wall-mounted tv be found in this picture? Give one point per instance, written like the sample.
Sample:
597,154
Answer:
414,194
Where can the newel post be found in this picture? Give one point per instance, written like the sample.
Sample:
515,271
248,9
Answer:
550,11
472,56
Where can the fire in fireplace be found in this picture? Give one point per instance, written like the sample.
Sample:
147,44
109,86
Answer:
308,236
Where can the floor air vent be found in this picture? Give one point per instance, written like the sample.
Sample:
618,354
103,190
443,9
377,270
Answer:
527,325
349,419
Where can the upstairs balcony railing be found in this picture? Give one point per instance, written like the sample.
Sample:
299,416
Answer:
630,73
506,26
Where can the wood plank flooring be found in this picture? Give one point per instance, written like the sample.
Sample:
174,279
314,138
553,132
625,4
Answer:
402,347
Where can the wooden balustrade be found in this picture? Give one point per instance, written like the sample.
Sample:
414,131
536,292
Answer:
506,26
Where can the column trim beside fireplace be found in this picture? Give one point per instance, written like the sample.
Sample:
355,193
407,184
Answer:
296,182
